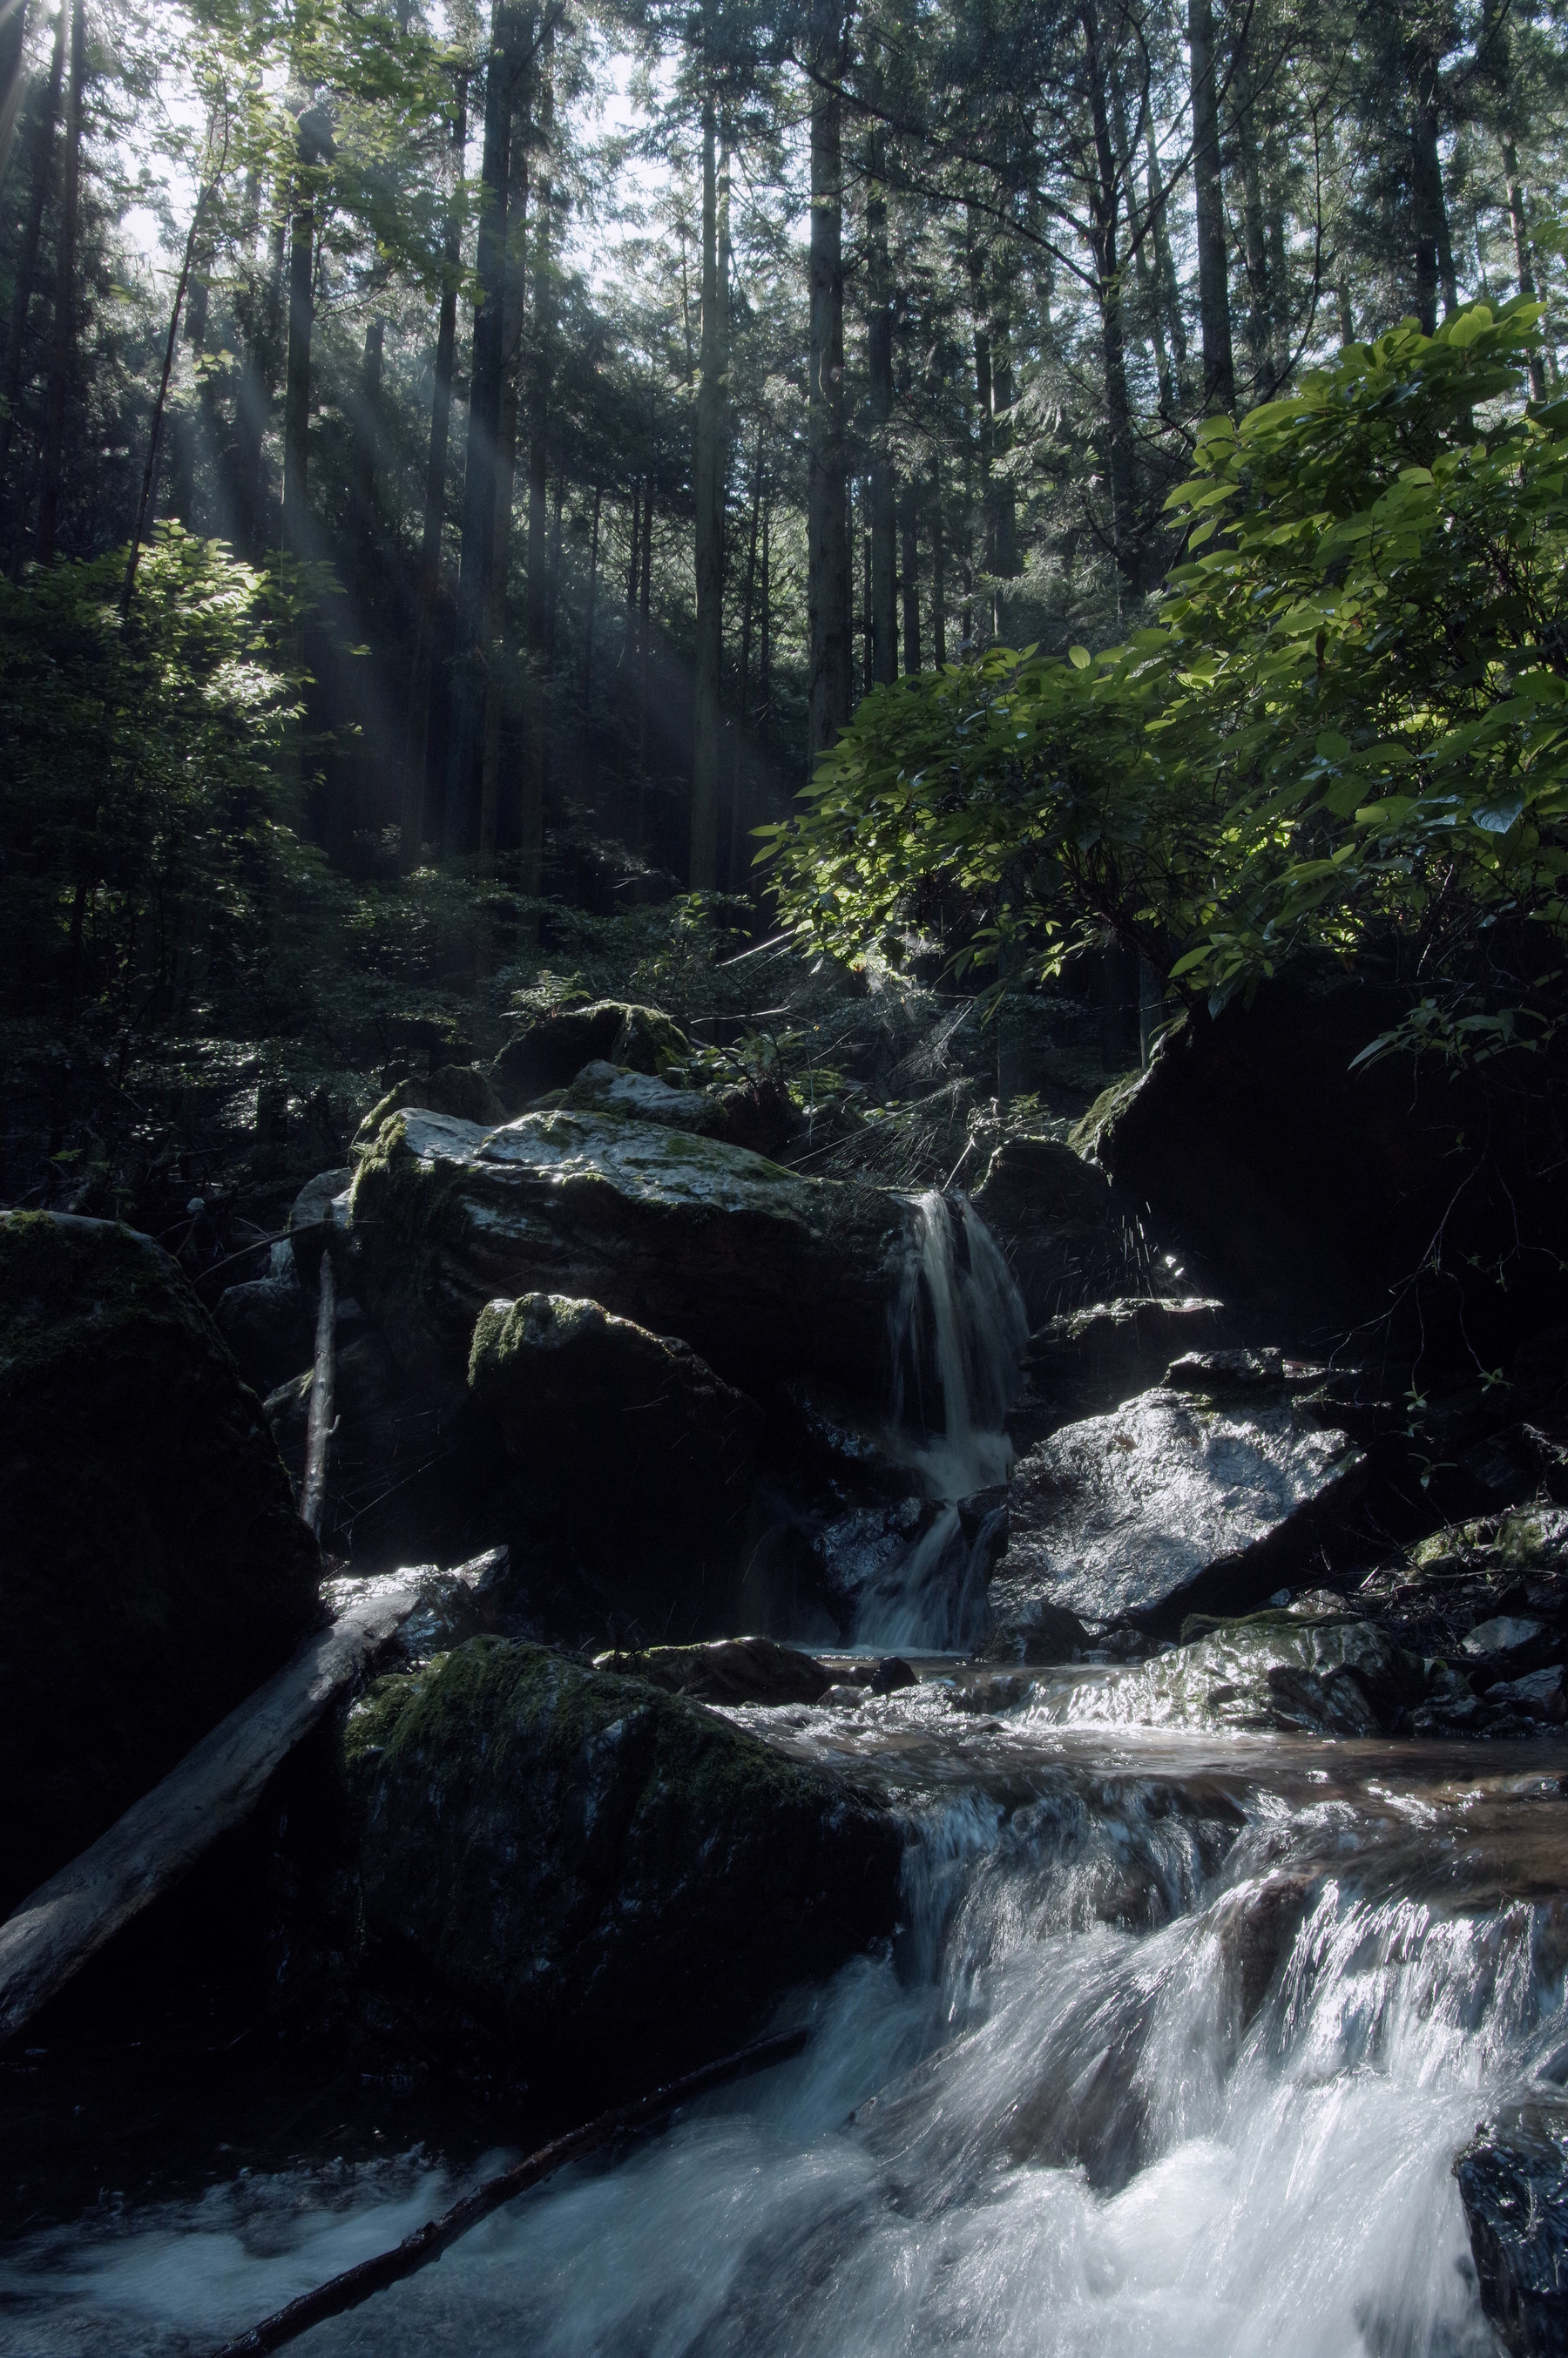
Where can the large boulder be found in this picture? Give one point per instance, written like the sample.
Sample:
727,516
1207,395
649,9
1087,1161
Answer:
628,1435
1513,2183
1318,1675
1179,1500
152,1570
460,1089
764,1273
1318,1187
552,1050
756,1111
620,1876
727,1671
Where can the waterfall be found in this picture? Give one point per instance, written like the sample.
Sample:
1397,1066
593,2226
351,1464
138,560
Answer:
958,1336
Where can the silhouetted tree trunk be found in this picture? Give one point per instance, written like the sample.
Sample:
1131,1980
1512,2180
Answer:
711,466
189,425
765,662
1433,243
513,308
590,614
416,750
62,344
541,360
737,864
1105,204
27,260
879,357
13,36
938,580
1214,283
910,584
314,146
828,591
1524,267
1176,327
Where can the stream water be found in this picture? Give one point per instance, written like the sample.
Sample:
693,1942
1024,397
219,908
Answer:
1171,2055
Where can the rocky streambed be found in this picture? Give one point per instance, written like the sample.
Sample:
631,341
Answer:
1123,1723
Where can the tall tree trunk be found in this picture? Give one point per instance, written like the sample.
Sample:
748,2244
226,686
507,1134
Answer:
910,583
27,260
711,470
1145,261
1524,267
879,356
589,614
738,813
13,38
765,633
513,317
553,577
1004,507
191,422
938,578
1171,295
485,368
644,632
540,363
980,327
314,144
1259,293
1434,243
254,400
62,344
1105,202
828,594
869,640
416,750
1214,281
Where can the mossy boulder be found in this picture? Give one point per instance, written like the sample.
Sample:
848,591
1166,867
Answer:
628,1437
621,1877
460,1089
553,1049
756,1112
152,1570
763,1272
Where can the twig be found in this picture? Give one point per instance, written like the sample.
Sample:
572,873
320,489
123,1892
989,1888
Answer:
323,1395
427,2243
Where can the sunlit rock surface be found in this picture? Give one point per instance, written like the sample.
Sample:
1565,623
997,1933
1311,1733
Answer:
1334,1677
763,1273
1173,1499
620,1874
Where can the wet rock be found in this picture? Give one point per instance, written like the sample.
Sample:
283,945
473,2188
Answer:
1254,1926
1265,1670
833,1440
727,1670
468,1600
619,1877
552,1051
1513,2183
1171,1503
1509,1566
319,1216
1538,1696
629,1434
1088,1360
152,1568
757,1113
1513,1643
462,1091
1055,1219
1052,1635
763,1272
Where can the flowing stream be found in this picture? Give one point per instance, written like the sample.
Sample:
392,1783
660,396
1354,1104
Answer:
1171,2055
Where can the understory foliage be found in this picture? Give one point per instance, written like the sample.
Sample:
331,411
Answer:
1344,731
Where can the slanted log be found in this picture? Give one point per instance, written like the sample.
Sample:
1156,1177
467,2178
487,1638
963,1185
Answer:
67,1920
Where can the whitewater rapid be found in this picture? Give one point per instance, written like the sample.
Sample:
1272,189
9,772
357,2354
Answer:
1173,2055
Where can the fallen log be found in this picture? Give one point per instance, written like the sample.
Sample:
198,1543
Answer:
323,1416
67,1920
427,2243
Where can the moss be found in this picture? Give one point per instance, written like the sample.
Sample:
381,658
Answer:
1084,1135
460,1090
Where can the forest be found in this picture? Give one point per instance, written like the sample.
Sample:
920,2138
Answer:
783,1094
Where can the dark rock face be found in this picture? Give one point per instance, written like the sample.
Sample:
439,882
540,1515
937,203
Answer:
727,1670
268,1323
152,1570
622,1876
629,1433
1086,1361
1513,2183
1058,1223
1315,1188
1174,1502
554,1049
763,1273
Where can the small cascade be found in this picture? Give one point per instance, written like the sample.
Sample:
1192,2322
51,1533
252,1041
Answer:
958,1336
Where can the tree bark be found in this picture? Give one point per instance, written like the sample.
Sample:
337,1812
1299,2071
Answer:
589,615
711,470
154,431
416,750
1259,293
513,316
738,813
13,38
62,344
879,353
1433,243
828,593
189,427
1145,265
911,570
938,580
485,367
541,356
28,261
314,144
1106,208
1524,267
1160,229
766,631
1214,281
